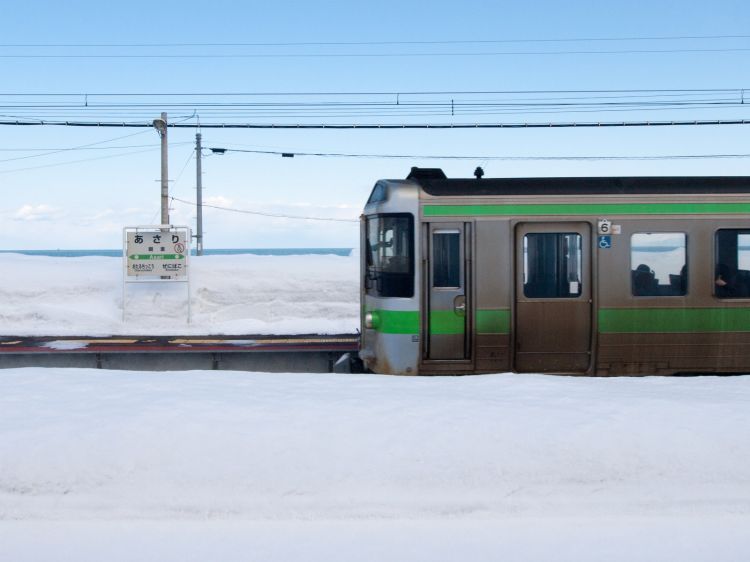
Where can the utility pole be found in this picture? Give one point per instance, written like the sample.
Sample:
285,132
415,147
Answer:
199,195
161,127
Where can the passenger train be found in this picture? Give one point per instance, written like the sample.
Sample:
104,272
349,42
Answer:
589,276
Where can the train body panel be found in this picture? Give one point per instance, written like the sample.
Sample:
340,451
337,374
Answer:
592,276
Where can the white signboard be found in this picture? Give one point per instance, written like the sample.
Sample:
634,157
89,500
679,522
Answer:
157,252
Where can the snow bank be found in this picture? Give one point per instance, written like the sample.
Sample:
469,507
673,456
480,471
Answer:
243,294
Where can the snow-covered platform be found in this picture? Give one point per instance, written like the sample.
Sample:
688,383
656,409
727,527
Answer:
207,465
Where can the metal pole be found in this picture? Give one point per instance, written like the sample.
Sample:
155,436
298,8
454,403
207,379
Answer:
164,173
199,195
124,268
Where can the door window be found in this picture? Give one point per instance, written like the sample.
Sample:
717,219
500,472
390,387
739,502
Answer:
446,260
732,267
552,265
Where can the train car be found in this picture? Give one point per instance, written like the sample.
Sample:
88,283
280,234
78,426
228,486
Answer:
588,276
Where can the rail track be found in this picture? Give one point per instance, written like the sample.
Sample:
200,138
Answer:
273,353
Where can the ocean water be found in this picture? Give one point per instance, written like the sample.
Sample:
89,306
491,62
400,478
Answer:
206,252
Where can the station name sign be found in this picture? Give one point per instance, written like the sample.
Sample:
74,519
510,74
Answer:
161,252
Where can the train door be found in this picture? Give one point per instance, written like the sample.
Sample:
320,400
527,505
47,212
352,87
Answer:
553,291
447,334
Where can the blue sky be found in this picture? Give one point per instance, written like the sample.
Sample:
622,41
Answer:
77,199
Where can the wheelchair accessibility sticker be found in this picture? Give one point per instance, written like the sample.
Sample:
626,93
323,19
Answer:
605,242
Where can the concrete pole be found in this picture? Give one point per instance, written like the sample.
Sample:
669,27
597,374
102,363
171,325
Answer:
199,195
164,173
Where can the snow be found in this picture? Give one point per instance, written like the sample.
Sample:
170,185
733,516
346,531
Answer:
242,294
232,466
104,464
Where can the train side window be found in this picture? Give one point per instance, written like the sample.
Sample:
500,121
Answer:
732,264
658,263
446,262
552,265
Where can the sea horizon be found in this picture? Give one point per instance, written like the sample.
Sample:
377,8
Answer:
117,253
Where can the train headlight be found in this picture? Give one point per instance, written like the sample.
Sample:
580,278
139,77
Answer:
372,320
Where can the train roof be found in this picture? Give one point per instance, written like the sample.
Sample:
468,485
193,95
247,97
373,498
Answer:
434,182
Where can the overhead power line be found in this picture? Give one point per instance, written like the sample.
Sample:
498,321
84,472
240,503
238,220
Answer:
384,126
289,153
402,104
52,151
355,43
378,93
76,148
263,214
75,161
89,146
372,55
289,106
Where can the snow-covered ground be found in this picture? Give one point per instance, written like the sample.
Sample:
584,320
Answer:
242,294
233,466
105,465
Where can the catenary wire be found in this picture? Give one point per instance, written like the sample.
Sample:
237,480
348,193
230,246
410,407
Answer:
289,153
354,43
74,161
80,147
263,214
372,104
73,148
30,122
375,55
667,91
51,151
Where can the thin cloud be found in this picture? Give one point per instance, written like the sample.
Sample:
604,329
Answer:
30,213
219,201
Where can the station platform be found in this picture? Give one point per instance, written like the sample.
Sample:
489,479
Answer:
272,353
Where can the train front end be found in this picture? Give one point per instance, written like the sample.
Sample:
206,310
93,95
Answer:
389,279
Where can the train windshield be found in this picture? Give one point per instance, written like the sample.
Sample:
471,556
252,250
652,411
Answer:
390,255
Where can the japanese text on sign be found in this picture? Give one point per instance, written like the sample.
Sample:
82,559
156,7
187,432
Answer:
161,253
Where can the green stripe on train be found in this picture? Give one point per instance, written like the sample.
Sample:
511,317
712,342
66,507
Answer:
446,322
673,320
441,322
395,321
587,209
611,320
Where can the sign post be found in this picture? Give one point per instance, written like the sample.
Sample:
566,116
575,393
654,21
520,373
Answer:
156,254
